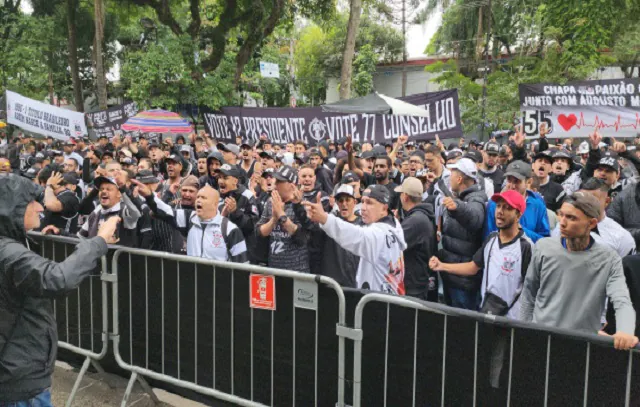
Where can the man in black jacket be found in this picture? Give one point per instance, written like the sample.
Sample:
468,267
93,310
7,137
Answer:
419,233
463,219
551,191
28,337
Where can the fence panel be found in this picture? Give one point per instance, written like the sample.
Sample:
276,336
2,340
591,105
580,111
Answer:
421,354
187,321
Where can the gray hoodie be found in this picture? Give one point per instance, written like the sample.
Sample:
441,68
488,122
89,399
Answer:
380,247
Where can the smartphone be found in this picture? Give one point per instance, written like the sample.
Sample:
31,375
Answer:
443,188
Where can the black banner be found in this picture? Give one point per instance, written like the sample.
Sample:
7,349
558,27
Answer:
108,122
312,125
577,109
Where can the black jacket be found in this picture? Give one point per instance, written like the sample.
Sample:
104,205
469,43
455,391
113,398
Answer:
625,209
553,195
462,235
420,235
246,217
28,337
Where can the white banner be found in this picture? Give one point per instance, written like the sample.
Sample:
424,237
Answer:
269,70
41,118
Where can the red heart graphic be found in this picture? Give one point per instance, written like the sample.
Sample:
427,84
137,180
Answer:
567,122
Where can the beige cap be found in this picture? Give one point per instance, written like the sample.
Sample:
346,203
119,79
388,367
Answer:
411,186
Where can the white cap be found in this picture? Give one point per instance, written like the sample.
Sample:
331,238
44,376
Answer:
583,148
465,166
344,190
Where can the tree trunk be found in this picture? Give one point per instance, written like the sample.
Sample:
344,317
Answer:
51,88
479,35
73,56
349,49
404,48
101,81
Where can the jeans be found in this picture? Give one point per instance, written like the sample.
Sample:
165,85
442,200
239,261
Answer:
460,298
41,400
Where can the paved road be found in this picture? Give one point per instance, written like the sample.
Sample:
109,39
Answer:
95,392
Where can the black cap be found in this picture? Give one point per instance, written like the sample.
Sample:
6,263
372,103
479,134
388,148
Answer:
519,169
268,172
349,177
609,160
127,161
473,155
69,178
503,151
215,155
543,154
249,144
101,180
229,171
108,152
287,174
154,145
314,151
31,173
267,154
366,154
561,153
103,136
147,177
492,147
378,192
175,158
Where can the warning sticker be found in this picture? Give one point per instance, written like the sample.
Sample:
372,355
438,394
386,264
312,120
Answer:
262,291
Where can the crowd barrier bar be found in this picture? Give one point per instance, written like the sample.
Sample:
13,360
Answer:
406,302
137,372
91,356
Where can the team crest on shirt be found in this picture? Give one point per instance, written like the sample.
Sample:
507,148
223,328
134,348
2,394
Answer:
217,240
507,265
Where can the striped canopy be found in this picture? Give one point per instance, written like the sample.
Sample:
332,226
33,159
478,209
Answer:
158,121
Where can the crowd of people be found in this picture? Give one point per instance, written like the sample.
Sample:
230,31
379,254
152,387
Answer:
542,231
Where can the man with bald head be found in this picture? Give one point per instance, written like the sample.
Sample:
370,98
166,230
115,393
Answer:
209,234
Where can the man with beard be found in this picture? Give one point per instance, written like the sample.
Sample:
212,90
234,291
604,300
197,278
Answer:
230,154
61,205
284,222
171,186
381,171
505,256
311,188
379,244
571,276
111,204
551,191
416,163
420,235
534,221
489,166
238,204
214,162
209,235
246,155
323,175
267,159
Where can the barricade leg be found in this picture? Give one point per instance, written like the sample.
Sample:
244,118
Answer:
74,390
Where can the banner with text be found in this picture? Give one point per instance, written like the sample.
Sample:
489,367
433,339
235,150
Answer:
42,118
576,109
312,125
108,122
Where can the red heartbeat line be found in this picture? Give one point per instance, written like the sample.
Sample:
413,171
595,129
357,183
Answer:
601,124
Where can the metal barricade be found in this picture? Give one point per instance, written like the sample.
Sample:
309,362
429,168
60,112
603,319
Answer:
546,366
188,322
80,333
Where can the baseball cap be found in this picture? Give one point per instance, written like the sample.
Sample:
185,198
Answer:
341,154
147,177
513,198
31,173
411,186
474,155
366,154
287,174
126,153
127,161
467,167
101,180
421,173
519,169
587,203
314,151
609,160
69,178
232,148
543,154
267,154
268,172
378,192
561,153
344,190
175,158
503,151
229,171
492,147
185,148
455,153
191,181
583,148
349,177
154,145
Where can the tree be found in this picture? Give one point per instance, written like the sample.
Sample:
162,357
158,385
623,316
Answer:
365,65
627,52
101,80
78,98
349,48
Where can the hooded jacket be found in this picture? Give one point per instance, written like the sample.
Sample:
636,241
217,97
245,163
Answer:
419,233
380,247
625,209
28,337
534,222
462,235
245,216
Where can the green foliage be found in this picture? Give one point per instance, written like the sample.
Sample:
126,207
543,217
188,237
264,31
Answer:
365,66
318,52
